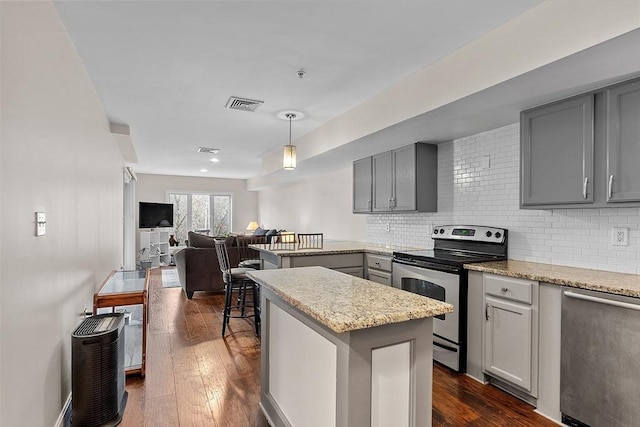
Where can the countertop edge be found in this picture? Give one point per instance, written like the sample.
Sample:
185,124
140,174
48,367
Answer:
523,270
343,327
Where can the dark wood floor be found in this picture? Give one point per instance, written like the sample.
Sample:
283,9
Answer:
196,378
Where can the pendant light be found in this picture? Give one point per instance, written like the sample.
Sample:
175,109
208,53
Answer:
289,159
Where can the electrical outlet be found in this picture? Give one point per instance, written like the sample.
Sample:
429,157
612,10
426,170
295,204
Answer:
41,223
387,227
619,236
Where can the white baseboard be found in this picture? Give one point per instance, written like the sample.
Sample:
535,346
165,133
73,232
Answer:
65,408
483,382
549,418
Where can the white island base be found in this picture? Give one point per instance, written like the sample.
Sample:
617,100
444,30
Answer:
312,376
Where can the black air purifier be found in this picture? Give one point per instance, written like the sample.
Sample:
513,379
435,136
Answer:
98,397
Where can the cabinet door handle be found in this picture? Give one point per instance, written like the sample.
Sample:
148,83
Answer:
610,190
504,289
584,187
486,312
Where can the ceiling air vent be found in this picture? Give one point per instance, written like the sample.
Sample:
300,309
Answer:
208,150
243,104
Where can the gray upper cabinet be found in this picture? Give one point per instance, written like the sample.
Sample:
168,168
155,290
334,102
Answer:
623,143
382,182
557,153
403,180
362,185
582,152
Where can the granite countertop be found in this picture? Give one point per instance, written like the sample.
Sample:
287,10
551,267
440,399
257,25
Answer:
337,247
596,280
346,303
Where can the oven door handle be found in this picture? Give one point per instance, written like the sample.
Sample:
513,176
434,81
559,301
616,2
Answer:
446,347
429,265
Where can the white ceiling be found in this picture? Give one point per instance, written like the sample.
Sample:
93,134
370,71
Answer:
167,68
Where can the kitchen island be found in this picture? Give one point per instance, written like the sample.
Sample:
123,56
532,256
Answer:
343,351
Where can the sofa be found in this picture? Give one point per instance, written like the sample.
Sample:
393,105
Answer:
197,264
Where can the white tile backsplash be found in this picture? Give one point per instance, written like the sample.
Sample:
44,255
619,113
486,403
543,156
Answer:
470,193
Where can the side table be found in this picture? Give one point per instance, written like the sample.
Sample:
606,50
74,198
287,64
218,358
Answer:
126,292
172,251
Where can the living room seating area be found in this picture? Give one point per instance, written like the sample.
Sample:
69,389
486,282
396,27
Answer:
197,264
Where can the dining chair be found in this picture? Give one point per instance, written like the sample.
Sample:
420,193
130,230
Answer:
310,240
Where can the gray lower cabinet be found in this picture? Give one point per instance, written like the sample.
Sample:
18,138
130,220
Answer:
362,185
623,143
582,152
402,180
511,333
352,264
378,268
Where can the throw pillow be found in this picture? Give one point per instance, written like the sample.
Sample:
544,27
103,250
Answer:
270,234
260,232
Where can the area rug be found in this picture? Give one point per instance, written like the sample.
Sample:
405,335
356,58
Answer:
170,278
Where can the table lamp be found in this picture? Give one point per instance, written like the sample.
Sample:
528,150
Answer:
251,228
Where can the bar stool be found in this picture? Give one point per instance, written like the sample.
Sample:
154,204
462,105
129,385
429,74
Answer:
236,280
247,257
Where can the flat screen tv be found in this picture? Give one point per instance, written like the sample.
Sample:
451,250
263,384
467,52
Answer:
153,215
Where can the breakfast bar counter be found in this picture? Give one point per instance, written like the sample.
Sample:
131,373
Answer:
335,247
338,350
344,256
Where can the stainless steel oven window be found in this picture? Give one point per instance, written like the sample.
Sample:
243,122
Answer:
448,328
426,289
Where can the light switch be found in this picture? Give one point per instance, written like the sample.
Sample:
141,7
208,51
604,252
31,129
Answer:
41,223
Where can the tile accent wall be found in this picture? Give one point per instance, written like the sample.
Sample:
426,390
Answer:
469,192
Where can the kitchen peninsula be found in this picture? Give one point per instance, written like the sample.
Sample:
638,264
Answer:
342,351
344,256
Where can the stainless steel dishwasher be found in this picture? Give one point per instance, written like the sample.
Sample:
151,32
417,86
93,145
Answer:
600,368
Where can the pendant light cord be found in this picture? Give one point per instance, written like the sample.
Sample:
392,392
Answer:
291,116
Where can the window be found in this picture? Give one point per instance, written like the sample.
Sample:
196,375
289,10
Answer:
204,212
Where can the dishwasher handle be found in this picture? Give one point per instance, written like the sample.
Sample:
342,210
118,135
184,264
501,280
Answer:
602,300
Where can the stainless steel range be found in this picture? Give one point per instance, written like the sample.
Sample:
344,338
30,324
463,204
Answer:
439,274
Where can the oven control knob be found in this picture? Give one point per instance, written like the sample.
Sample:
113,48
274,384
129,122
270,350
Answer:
435,231
488,234
498,235
442,231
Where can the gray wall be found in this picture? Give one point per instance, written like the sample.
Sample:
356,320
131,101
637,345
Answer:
58,157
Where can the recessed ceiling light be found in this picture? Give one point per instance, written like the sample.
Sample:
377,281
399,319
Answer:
214,160
203,170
